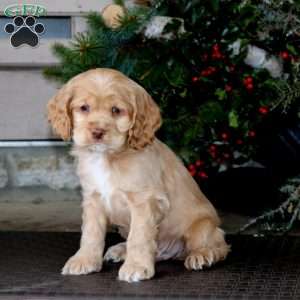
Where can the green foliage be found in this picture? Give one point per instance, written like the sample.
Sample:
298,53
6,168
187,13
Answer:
283,218
194,76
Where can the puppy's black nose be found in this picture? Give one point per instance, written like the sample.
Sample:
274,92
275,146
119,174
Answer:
97,133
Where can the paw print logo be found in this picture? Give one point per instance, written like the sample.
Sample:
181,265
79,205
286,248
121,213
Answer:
24,31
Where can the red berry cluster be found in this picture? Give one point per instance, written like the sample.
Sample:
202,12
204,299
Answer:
208,71
204,73
223,152
220,155
248,83
196,169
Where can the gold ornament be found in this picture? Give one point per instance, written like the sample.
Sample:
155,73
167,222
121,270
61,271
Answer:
111,15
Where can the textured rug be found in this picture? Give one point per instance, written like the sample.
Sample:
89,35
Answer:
257,268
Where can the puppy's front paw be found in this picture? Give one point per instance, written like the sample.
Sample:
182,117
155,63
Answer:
131,272
81,264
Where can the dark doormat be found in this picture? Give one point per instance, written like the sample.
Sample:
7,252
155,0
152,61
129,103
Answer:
257,268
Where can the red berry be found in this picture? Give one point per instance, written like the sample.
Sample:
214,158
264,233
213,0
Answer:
195,79
212,148
204,73
226,155
216,55
199,163
285,55
251,133
203,175
239,142
216,47
225,136
263,110
191,167
248,80
228,88
231,68
192,172
249,86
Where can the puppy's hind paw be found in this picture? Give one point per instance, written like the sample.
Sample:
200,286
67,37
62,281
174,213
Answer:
80,264
116,253
204,257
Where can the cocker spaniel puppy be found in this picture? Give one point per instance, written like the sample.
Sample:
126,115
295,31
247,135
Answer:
132,180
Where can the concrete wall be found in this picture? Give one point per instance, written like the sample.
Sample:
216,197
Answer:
23,100
50,167
23,90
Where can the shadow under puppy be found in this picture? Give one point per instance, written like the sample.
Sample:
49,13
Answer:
131,179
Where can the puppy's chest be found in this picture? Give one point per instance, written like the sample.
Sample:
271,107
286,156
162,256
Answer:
100,177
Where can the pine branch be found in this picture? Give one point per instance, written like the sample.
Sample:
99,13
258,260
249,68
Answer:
295,197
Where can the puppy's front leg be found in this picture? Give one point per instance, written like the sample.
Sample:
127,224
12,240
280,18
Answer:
90,255
141,242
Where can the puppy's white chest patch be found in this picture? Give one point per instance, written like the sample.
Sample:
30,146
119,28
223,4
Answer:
101,177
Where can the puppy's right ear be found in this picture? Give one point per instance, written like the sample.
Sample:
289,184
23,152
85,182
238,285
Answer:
59,114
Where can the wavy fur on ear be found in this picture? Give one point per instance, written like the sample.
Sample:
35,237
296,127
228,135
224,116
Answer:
58,113
147,120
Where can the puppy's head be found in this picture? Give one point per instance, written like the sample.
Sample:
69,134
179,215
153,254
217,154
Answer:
103,109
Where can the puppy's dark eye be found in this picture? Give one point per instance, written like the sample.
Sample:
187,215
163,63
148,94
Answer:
85,108
115,110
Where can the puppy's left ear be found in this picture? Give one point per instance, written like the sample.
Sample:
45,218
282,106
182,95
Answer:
146,120
59,114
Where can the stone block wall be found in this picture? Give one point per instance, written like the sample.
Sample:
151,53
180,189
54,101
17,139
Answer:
50,167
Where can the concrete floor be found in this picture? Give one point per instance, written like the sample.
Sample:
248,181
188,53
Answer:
41,209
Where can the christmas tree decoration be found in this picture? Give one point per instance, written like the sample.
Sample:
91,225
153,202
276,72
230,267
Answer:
263,110
285,55
251,133
156,28
228,88
199,163
202,175
260,59
112,15
226,78
224,136
191,167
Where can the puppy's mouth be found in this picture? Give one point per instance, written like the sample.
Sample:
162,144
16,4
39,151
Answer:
98,147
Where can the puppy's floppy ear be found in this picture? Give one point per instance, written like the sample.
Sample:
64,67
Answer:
59,114
146,120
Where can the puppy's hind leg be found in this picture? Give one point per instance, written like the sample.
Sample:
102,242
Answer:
205,244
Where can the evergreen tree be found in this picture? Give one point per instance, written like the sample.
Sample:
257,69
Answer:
224,73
